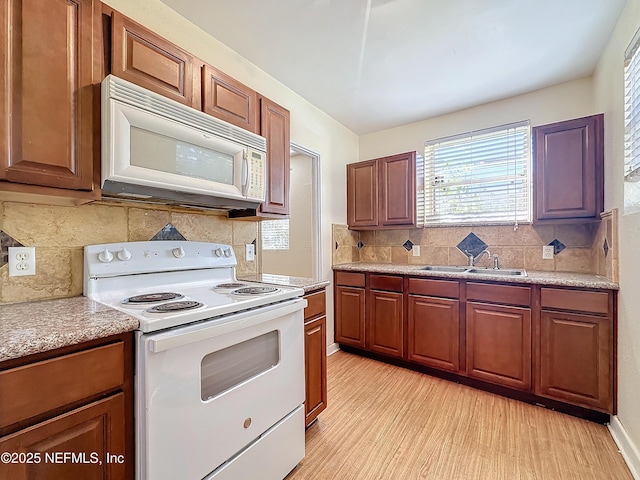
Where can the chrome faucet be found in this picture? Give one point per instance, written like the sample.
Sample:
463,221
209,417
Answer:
473,260
496,265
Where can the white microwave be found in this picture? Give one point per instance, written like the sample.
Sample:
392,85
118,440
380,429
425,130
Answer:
156,149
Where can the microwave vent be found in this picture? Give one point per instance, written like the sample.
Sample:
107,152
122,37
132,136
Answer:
126,92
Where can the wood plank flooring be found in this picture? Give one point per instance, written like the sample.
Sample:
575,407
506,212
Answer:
385,422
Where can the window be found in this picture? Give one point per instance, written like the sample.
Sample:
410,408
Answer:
482,177
632,111
275,234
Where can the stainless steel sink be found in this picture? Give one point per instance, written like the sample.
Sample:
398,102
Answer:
444,268
499,272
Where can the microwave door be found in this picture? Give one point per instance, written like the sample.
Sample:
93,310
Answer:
151,150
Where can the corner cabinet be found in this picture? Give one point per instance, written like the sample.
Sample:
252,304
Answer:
349,301
381,193
315,355
569,170
84,407
48,49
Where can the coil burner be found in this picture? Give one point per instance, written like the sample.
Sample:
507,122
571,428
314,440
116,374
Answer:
255,290
153,297
175,306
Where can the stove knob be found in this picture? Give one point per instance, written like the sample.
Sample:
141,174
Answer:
218,252
105,256
178,252
124,254
227,252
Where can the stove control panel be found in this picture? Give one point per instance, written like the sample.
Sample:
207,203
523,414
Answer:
146,257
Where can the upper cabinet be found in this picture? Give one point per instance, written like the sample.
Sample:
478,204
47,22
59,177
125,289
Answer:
569,180
146,59
274,121
227,99
47,97
381,193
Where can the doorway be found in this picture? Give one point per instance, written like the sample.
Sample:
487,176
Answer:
292,246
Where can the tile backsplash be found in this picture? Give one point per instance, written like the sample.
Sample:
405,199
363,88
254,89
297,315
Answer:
522,248
60,233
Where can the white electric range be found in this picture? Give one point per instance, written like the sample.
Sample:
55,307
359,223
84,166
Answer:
219,362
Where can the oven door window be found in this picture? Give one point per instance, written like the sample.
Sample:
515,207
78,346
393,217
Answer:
222,370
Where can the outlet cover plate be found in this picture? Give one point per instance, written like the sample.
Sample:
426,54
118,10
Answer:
547,252
416,250
22,261
250,252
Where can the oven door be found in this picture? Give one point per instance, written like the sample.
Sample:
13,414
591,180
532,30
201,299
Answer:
207,392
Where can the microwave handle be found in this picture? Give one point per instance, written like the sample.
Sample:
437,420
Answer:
245,173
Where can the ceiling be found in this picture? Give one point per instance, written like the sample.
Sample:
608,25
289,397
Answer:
377,64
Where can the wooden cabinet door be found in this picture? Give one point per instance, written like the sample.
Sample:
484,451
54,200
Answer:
349,316
275,126
569,169
575,363
434,336
362,194
499,344
384,323
227,99
398,190
46,92
91,432
146,59
315,364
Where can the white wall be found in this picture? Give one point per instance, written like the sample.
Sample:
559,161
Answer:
609,91
553,104
310,127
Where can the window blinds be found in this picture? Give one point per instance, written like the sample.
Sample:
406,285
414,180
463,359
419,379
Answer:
632,111
479,177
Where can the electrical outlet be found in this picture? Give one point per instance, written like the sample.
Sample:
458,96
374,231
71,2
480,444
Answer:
250,252
415,250
547,252
22,261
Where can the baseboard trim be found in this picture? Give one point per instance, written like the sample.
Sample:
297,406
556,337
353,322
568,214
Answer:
628,450
333,348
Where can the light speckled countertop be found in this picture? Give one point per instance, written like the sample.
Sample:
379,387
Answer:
308,284
563,279
35,327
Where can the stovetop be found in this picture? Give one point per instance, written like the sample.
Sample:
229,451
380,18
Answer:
196,275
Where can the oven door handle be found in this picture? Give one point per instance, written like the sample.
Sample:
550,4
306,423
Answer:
209,329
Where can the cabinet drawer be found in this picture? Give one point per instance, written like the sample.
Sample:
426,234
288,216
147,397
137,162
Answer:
434,288
579,300
350,279
385,282
37,388
316,305
507,294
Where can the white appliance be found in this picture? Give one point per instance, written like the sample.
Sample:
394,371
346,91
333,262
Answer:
219,386
156,149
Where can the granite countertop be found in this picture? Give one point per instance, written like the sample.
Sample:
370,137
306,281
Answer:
308,284
564,279
35,327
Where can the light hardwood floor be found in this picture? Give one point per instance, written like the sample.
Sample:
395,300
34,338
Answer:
386,422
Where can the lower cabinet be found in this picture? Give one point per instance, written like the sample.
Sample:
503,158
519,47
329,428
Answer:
87,443
547,342
68,413
384,323
434,325
315,356
349,308
499,344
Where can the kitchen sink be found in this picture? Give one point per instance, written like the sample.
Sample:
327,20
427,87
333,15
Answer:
444,268
501,272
